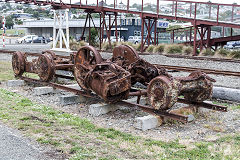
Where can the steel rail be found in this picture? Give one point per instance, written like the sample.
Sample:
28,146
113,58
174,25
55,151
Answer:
204,105
188,57
181,118
30,53
54,85
191,69
204,58
178,117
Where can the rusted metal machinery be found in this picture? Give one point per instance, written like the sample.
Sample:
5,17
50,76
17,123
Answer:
107,79
112,79
45,65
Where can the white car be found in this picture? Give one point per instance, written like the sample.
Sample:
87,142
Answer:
26,39
134,39
114,39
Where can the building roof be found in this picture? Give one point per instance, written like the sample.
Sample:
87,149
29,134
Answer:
50,23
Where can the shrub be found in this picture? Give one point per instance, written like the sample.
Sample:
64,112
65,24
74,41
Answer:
82,43
187,50
106,46
150,48
138,47
159,48
130,44
174,48
76,45
207,52
235,54
223,52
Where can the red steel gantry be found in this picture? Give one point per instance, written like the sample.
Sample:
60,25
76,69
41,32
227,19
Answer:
201,26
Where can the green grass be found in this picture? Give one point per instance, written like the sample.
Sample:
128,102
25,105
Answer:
78,138
12,32
6,72
173,49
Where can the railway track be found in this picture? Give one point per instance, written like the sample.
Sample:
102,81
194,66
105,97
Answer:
149,109
191,69
204,58
190,57
169,67
119,88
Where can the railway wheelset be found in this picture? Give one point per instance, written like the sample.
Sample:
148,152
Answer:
113,79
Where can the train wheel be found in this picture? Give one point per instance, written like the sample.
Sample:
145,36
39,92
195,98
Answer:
125,53
18,63
46,67
85,58
163,93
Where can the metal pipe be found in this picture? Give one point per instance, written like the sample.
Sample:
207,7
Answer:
138,93
64,66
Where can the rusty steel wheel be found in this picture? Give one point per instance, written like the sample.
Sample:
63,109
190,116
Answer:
18,63
126,53
163,93
49,52
46,67
86,57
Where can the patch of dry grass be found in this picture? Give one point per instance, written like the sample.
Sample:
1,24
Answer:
6,72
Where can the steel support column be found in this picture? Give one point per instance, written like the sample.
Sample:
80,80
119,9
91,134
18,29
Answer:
195,41
61,17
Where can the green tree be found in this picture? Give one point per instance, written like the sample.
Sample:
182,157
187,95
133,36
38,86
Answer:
36,14
94,34
9,21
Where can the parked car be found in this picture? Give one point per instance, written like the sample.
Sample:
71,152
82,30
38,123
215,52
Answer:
232,45
40,39
134,39
114,39
26,39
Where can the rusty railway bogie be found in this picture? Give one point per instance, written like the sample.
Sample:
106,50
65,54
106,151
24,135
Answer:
108,80
112,79
44,65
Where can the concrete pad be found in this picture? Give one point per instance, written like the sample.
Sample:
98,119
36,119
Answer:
102,108
15,83
147,122
226,94
74,86
62,72
42,90
71,99
63,80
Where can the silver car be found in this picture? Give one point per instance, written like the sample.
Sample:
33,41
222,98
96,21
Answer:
134,39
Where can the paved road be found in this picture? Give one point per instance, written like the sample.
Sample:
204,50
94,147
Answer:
13,146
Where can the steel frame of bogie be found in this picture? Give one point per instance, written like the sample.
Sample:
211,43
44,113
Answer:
102,10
